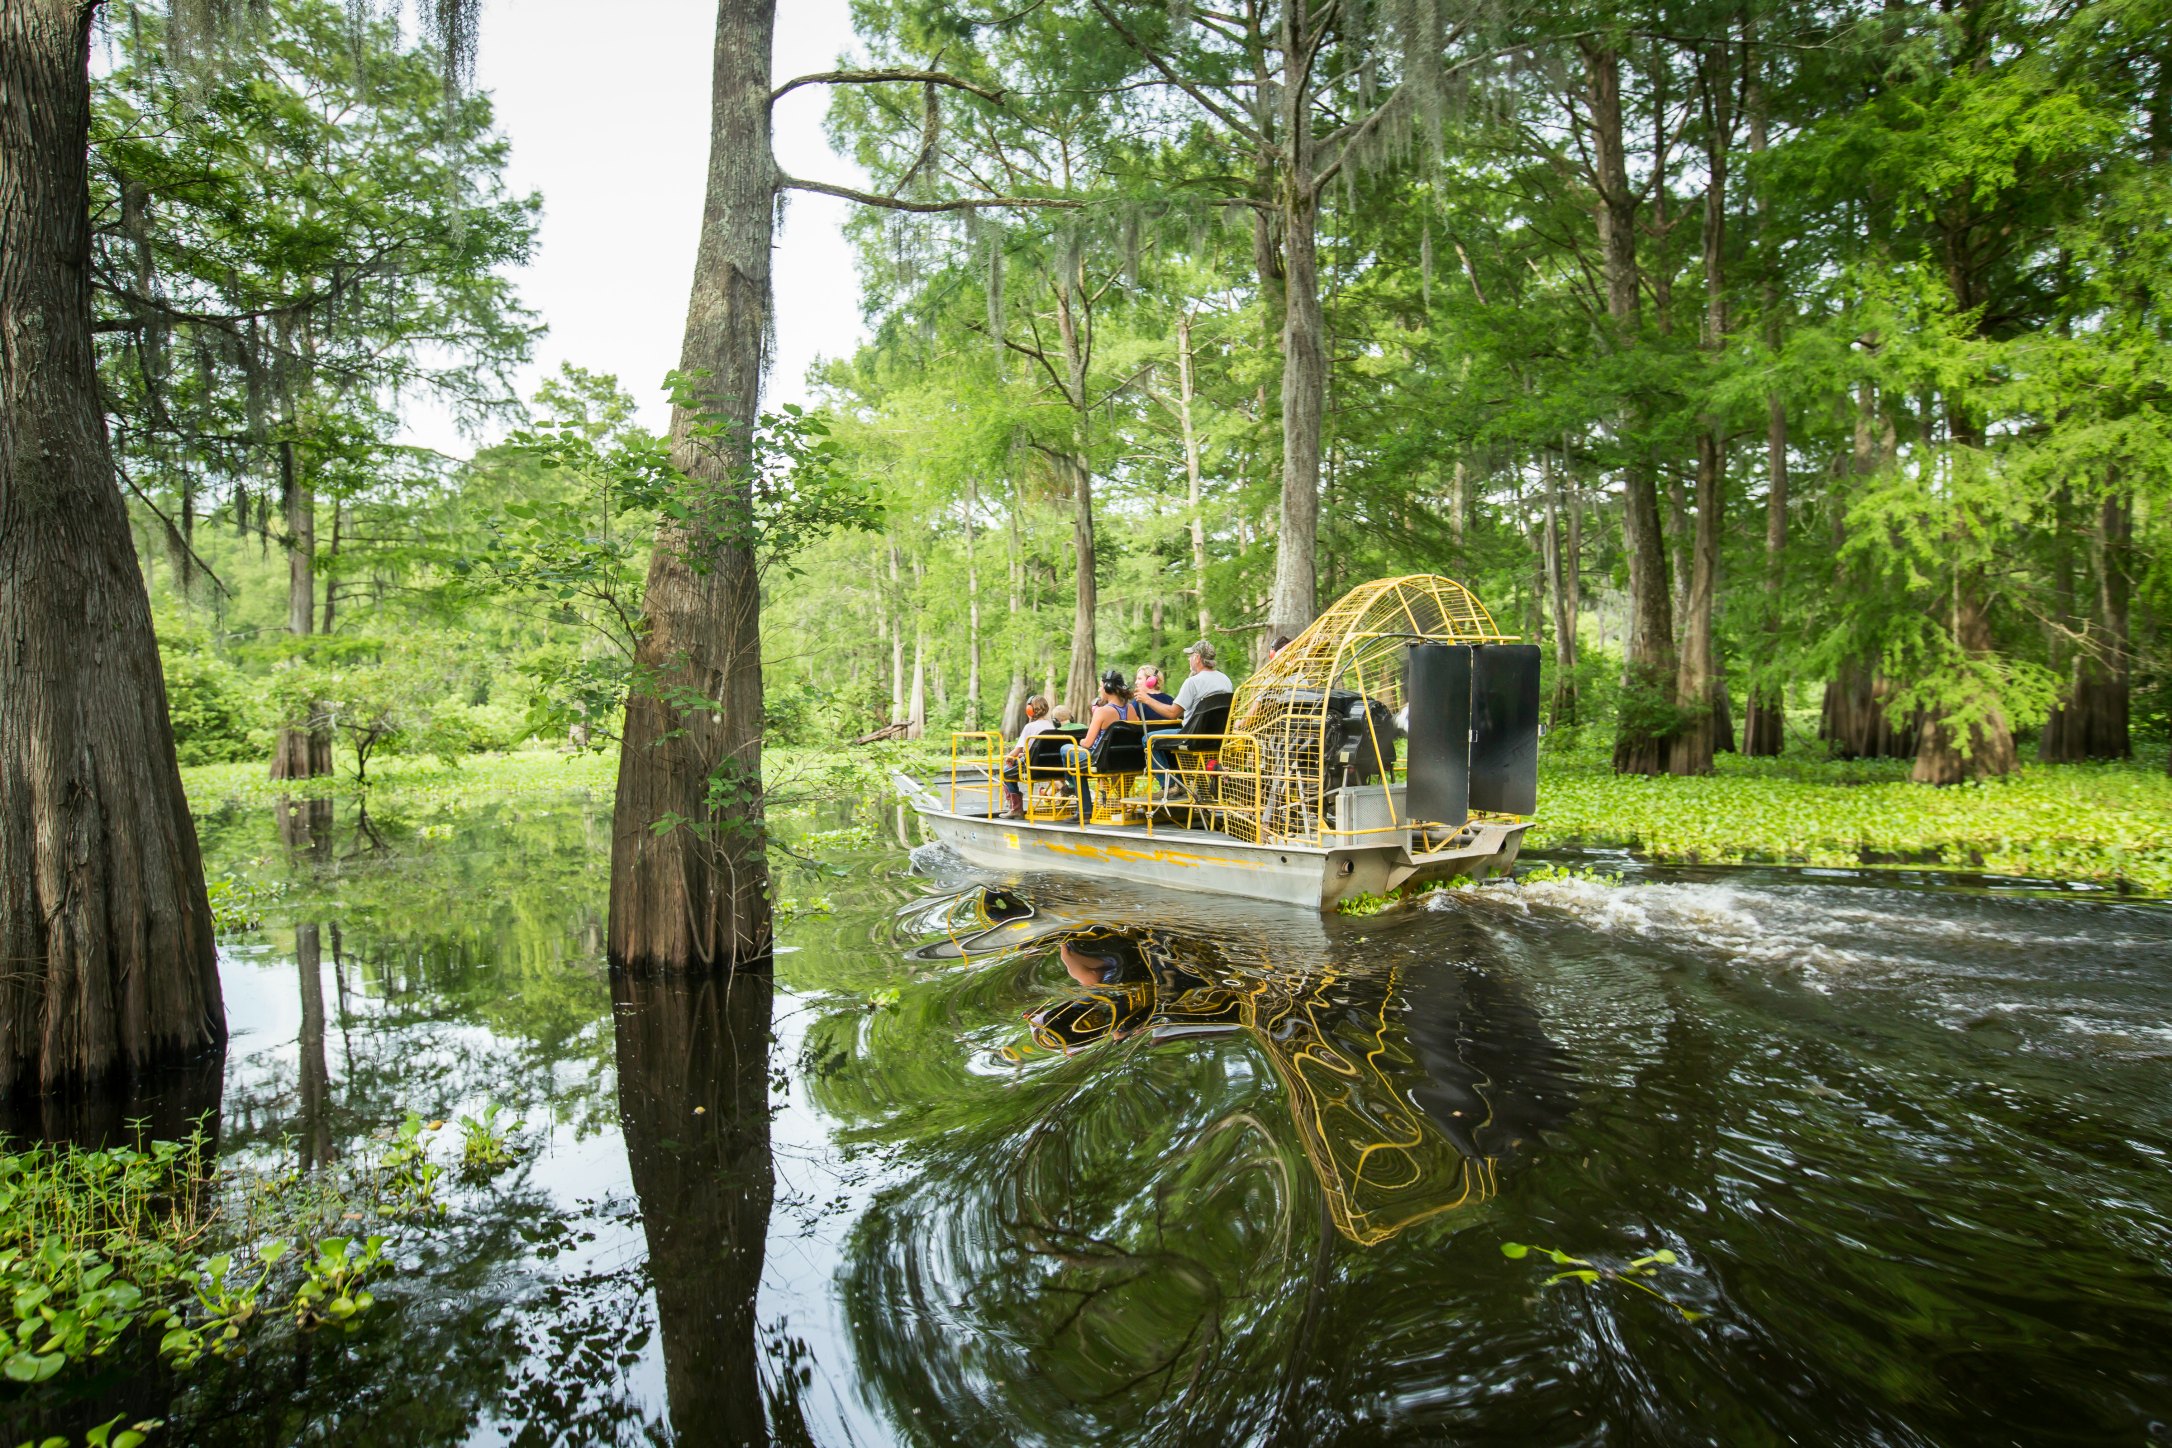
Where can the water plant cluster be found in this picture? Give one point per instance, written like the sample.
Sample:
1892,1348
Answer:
101,1245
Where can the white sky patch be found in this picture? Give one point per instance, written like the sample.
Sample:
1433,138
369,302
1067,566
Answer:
609,120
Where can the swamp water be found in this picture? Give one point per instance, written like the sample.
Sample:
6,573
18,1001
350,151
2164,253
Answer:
1058,1165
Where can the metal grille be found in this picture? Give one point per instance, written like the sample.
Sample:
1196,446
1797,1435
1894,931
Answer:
1281,720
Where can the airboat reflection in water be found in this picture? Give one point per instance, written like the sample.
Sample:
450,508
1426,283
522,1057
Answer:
1410,1080
1295,790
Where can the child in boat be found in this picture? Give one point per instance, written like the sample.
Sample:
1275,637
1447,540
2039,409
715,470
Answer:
1038,722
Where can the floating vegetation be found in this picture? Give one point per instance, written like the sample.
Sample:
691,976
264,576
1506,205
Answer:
160,1237
1590,1273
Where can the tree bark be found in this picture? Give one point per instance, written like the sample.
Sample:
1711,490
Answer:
1697,691
1941,755
1640,741
303,749
1187,390
2094,721
1764,723
972,599
694,894
1304,363
1014,703
1079,686
104,926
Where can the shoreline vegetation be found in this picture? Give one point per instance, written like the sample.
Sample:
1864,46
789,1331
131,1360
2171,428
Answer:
2106,824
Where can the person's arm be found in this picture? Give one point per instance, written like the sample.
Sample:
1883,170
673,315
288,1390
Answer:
1166,711
1103,717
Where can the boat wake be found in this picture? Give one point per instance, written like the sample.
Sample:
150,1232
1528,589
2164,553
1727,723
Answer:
2045,969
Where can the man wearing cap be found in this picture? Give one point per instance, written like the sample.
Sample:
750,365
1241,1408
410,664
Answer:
1205,681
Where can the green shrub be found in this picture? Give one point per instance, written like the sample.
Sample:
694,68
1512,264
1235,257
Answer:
213,706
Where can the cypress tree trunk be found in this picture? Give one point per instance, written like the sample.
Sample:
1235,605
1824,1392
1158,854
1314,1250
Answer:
1640,742
104,926
1764,724
1304,359
972,595
1942,755
696,894
1187,390
1699,693
303,749
2094,722
1079,686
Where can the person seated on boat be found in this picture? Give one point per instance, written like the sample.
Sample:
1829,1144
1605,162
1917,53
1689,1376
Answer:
1145,685
1282,641
1205,680
1038,723
1061,716
1114,704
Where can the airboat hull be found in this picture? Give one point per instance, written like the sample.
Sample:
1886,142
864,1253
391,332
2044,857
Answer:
1205,861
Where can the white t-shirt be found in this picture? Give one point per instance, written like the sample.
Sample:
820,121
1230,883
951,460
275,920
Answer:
1036,726
1199,686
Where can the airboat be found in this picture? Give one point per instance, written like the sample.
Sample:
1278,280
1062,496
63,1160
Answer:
1390,746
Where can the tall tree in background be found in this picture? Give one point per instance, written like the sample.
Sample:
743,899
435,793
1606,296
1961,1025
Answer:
105,932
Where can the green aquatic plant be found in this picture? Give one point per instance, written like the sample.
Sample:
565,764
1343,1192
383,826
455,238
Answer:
485,1147
331,1293
1580,1269
109,1434
1543,874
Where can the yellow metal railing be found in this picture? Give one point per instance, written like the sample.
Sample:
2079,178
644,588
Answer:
991,762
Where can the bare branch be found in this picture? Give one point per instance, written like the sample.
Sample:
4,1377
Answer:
968,203
885,77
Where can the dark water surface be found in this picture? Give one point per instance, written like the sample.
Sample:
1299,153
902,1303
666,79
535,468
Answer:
1059,1165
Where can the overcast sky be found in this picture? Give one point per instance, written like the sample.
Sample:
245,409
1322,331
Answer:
609,120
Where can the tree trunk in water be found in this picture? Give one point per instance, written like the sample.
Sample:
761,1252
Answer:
1698,692
104,926
1304,395
1855,723
1640,741
1764,725
1940,757
1943,756
1079,687
2094,722
1186,391
303,749
696,894
693,1100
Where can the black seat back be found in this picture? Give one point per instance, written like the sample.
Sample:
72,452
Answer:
1209,715
1045,751
1121,749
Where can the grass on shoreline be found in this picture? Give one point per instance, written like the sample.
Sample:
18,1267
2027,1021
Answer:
2106,823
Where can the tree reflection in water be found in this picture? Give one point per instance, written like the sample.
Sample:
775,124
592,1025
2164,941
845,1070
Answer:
693,1074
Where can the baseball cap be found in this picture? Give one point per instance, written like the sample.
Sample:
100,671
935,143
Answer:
1204,649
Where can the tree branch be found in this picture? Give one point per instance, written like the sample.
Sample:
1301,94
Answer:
893,203
885,77
1213,107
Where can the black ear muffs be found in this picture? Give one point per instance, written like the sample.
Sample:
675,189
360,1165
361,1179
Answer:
1113,679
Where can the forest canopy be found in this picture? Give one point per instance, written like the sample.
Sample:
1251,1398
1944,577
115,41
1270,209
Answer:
1795,374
